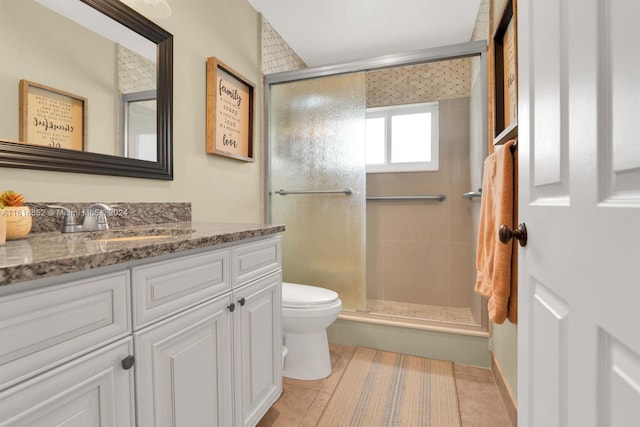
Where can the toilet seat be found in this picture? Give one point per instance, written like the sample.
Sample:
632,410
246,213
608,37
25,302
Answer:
304,296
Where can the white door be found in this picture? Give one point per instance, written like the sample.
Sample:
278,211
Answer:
579,158
183,368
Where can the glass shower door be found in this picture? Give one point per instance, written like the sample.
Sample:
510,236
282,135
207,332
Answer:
317,182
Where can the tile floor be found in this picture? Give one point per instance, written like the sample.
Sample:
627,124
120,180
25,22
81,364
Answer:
302,402
421,311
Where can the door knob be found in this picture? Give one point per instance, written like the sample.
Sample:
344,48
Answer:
520,234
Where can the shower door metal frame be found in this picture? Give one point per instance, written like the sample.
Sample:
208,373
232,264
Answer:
456,51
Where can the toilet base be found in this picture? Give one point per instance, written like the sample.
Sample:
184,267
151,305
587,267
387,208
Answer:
307,356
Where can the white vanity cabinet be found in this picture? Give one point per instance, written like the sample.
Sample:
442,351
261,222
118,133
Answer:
183,340
217,363
61,353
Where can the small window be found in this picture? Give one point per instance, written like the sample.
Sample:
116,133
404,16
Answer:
402,138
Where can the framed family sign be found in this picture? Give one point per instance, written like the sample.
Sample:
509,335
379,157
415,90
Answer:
51,117
506,76
230,100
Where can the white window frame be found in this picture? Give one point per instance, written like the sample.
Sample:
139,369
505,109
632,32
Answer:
387,113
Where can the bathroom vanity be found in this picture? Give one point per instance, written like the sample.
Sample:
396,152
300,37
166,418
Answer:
176,324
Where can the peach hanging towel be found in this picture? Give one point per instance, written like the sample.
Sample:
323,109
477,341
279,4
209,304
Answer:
493,258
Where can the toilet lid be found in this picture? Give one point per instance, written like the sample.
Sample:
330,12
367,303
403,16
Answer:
295,295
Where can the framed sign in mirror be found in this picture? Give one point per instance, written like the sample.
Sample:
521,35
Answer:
230,106
506,76
51,118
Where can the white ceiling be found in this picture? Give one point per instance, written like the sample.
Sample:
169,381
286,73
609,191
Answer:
324,32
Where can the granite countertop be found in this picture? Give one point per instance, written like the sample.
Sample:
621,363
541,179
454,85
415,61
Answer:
54,253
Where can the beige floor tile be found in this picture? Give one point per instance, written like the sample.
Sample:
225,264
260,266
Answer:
312,416
464,371
340,356
291,408
338,368
480,401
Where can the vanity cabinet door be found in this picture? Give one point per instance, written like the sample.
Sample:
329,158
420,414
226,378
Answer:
257,348
183,368
94,390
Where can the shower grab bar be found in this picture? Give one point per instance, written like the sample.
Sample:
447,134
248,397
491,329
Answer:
438,197
347,191
472,194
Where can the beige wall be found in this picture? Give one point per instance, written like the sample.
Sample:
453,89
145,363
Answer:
505,350
220,189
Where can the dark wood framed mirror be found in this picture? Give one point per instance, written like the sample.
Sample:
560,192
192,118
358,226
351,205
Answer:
16,154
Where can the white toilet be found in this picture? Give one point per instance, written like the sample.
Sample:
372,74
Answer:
307,311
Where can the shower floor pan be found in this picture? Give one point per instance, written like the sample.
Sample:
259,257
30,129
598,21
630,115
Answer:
407,310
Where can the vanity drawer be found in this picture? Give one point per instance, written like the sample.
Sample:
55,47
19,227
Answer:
163,288
45,327
253,260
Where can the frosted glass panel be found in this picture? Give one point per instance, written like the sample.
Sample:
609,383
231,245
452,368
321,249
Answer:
317,134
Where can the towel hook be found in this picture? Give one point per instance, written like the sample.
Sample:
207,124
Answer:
520,234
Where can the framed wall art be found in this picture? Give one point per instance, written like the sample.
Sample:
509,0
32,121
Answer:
506,77
230,107
51,117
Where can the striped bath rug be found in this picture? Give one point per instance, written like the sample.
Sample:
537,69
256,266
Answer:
380,388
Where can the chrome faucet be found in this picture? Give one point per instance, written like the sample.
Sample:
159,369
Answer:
94,218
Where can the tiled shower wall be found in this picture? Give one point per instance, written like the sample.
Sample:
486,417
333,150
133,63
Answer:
277,55
420,251
419,83
135,73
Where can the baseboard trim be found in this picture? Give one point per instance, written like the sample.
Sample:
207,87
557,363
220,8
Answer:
505,391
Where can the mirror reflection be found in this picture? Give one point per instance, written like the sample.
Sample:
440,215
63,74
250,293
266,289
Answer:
85,86
138,125
96,60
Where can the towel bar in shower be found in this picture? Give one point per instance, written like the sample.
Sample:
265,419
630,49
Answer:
346,191
438,197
